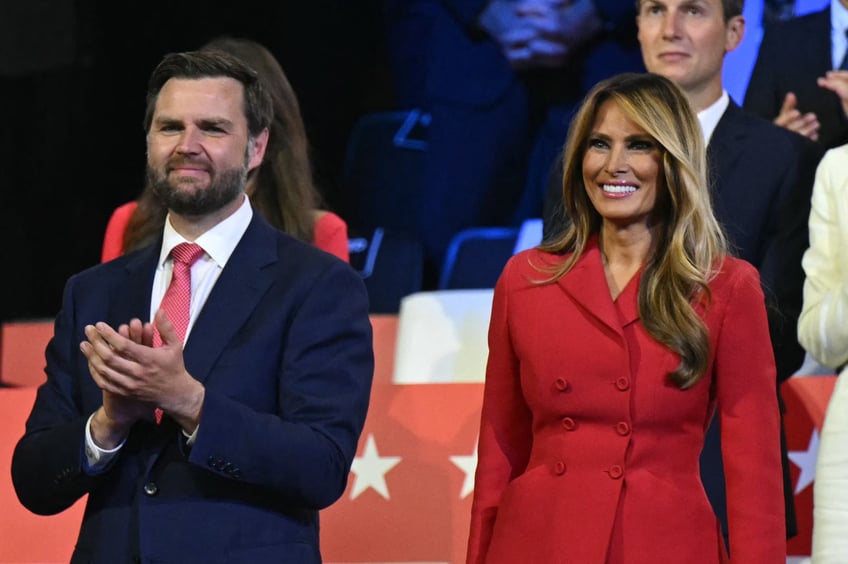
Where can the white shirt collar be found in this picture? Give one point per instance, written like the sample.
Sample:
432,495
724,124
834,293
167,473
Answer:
710,116
838,25
219,242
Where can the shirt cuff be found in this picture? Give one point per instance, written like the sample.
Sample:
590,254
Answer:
190,438
96,457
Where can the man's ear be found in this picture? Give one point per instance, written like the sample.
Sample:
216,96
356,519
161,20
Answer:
735,31
256,149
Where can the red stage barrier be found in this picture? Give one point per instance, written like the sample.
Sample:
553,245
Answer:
408,497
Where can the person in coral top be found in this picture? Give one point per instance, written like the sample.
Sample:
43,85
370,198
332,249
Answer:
610,349
281,189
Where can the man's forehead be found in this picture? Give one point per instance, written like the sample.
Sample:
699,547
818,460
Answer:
213,96
677,3
212,86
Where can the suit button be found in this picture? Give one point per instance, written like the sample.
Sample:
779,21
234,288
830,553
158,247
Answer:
561,384
616,472
559,468
568,424
622,428
150,488
622,383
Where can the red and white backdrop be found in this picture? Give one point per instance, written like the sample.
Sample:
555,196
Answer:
408,499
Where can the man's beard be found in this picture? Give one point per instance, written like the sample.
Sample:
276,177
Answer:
224,187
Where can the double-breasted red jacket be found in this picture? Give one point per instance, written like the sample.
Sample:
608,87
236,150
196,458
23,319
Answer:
588,454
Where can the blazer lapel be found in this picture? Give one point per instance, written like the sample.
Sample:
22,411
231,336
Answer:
587,285
131,293
236,294
627,302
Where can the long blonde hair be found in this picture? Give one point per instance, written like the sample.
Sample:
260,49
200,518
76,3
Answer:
691,243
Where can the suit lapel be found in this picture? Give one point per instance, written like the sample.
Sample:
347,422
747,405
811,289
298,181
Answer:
587,285
723,150
132,292
236,294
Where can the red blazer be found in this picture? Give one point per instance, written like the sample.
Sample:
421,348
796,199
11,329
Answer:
330,234
588,455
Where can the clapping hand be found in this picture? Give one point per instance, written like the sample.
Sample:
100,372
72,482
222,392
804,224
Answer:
837,82
136,378
792,119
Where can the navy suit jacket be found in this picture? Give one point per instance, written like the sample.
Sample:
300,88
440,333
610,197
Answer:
282,345
792,55
762,177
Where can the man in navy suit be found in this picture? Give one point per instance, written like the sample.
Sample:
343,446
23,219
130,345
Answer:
263,404
761,179
794,82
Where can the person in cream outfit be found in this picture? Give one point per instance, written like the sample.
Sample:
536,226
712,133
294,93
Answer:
823,332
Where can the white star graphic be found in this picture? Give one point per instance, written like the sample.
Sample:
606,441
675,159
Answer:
370,470
806,461
467,464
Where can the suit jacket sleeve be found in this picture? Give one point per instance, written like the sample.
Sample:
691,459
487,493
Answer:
787,240
830,496
822,327
305,450
285,401
750,425
47,464
822,331
505,429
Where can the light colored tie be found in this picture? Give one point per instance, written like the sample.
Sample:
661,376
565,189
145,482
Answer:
177,297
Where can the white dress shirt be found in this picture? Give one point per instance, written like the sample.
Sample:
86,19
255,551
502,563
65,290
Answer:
838,26
218,244
710,116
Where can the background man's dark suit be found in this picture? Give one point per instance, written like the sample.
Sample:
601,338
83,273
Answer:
792,55
283,348
762,178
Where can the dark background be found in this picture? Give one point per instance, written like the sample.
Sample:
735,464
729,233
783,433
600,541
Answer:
72,81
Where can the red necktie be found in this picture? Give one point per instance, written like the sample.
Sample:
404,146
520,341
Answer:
178,296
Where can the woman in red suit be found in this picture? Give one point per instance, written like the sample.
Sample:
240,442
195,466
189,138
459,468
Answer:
282,188
611,348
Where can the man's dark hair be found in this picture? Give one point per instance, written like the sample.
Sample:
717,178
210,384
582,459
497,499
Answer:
212,64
